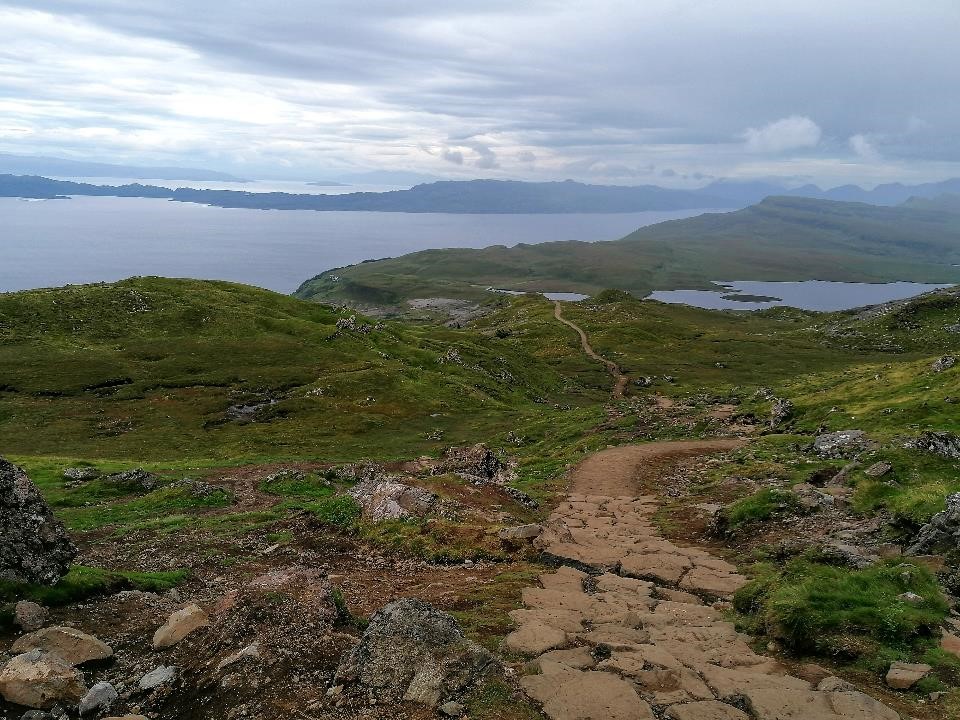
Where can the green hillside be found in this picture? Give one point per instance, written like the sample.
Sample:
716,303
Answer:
778,239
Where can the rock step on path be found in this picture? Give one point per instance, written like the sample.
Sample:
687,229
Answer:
623,629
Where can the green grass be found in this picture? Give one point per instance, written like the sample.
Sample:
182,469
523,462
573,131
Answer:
762,506
813,608
160,504
81,583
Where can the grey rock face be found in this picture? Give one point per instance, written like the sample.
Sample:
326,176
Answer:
938,443
780,412
942,532
81,474
944,363
390,500
36,547
162,675
413,652
136,480
100,697
841,443
475,462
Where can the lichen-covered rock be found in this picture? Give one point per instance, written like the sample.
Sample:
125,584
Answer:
137,480
842,443
942,532
413,652
780,412
938,443
39,680
476,462
80,474
944,363
391,500
36,547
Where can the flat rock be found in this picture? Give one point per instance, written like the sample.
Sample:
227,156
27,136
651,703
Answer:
590,695
40,680
663,567
705,710
812,705
730,683
72,645
903,676
534,638
179,625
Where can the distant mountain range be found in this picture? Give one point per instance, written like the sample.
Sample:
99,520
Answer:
61,167
489,196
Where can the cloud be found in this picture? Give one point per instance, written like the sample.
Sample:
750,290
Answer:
864,148
791,133
453,156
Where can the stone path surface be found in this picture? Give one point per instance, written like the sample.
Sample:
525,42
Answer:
630,626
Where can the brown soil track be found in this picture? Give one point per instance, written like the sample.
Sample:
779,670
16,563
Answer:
620,380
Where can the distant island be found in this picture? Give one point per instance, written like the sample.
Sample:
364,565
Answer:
487,196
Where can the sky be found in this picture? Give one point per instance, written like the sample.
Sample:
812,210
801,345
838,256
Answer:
668,92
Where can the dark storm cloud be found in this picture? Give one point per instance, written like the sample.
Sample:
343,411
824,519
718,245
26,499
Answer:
613,88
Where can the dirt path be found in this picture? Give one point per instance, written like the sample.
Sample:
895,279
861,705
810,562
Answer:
620,380
628,628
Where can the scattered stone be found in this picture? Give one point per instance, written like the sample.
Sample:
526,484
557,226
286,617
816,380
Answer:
452,709
251,651
413,652
163,675
944,363
939,443
36,548
781,411
99,699
137,480
903,676
841,443
942,532
81,474
391,500
911,598
878,469
520,497
29,616
521,532
70,644
179,625
39,680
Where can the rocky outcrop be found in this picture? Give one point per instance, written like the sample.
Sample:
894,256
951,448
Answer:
939,443
137,480
942,532
36,547
80,474
843,443
412,652
390,500
780,412
477,463
944,363
39,680
70,644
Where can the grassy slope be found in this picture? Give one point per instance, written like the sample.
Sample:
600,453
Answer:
778,239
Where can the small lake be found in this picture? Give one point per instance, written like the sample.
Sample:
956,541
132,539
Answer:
819,295
93,239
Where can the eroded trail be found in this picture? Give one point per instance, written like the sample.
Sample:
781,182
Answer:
620,380
626,629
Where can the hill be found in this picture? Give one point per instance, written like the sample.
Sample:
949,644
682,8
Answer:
778,239
62,167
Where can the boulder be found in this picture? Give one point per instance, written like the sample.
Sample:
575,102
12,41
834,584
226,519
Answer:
944,363
878,469
163,675
842,443
903,676
29,616
179,625
137,480
943,530
36,547
780,412
80,474
99,699
521,533
939,443
391,500
72,645
411,651
477,462
40,680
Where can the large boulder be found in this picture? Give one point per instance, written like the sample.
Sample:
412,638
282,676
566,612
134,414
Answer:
390,500
39,680
939,443
36,547
413,652
74,646
477,462
942,532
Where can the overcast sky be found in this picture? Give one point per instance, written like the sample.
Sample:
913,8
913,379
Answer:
627,91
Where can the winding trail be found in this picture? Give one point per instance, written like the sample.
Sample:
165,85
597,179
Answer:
627,629
620,380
